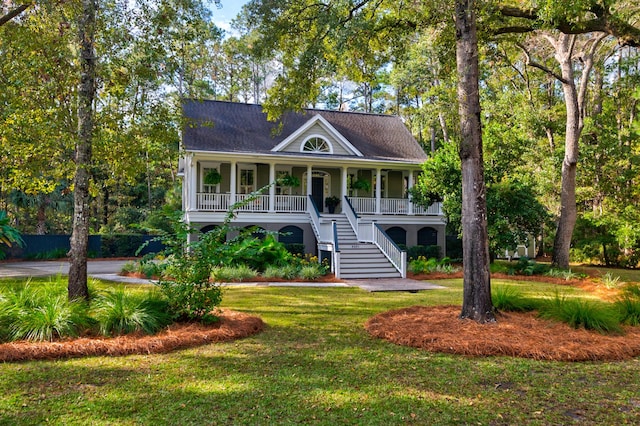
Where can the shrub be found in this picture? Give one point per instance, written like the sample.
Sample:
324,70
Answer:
57,253
526,266
121,245
252,251
191,301
294,248
424,251
119,312
422,265
582,313
129,267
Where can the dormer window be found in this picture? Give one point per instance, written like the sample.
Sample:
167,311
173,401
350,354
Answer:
317,145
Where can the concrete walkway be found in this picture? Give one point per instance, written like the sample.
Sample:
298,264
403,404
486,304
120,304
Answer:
108,270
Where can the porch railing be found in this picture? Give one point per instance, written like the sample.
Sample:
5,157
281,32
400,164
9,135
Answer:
298,204
213,202
260,203
399,206
282,203
291,203
390,249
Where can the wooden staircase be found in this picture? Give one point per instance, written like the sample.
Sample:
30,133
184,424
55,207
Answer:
359,260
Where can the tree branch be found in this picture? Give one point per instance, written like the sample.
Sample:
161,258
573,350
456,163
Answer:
541,67
13,13
604,21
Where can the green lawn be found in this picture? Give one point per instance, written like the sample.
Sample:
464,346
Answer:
315,364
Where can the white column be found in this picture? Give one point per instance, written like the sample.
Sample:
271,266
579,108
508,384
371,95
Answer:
272,188
344,182
233,182
193,183
410,209
309,175
378,190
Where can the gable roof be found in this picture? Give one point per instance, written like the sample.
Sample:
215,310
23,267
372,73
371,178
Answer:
324,124
235,127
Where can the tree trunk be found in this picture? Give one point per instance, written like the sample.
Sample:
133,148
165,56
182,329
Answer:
574,102
77,288
476,304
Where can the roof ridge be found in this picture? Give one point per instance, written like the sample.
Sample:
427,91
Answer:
377,114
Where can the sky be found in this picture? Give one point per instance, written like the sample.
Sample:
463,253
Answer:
230,9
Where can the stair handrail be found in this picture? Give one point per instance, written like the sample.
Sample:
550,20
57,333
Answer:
351,214
312,209
390,249
336,251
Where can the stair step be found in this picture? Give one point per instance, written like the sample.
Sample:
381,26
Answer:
359,260
349,276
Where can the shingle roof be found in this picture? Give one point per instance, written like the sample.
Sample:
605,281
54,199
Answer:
235,127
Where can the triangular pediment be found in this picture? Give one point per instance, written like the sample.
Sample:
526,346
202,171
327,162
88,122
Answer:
317,127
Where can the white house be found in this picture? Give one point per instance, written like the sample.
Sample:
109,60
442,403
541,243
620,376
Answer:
366,161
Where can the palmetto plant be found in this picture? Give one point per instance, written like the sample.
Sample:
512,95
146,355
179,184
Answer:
8,234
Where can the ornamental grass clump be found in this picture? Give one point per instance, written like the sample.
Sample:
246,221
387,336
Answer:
41,314
509,299
578,313
628,305
236,273
120,312
311,272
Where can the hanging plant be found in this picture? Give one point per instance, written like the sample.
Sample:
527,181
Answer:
362,184
288,180
213,177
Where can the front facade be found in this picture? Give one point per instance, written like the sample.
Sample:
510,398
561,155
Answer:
364,163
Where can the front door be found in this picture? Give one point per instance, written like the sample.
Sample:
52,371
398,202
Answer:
317,192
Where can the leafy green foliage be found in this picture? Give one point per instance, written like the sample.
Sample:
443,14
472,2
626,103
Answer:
425,251
514,213
253,251
526,266
422,265
8,234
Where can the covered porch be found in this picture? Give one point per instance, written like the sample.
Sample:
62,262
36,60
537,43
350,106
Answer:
215,186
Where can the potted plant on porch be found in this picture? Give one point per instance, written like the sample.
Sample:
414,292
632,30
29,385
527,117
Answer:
361,184
331,203
288,180
213,177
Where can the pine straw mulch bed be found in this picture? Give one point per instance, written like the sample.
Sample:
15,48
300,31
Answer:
587,284
438,329
232,325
